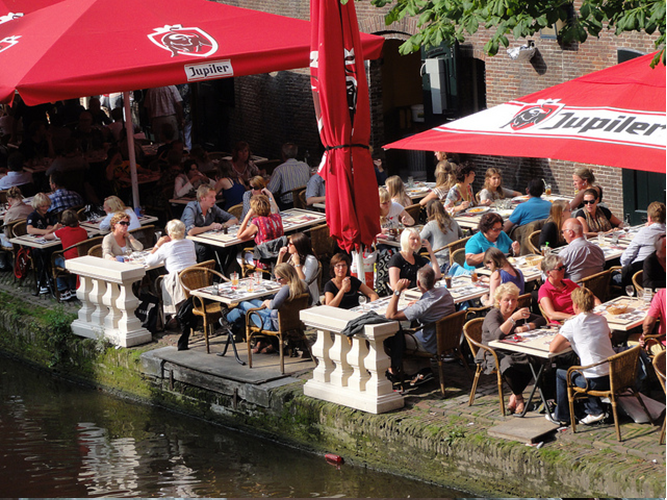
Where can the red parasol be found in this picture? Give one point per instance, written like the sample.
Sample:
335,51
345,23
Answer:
613,117
340,95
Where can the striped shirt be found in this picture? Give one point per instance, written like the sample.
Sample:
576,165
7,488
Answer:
290,175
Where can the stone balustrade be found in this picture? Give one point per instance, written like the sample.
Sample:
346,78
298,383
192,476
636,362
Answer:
350,371
108,303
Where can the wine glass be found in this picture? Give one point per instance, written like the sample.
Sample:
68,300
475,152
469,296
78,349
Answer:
362,300
626,225
630,290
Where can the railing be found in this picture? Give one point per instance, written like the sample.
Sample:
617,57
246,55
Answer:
108,303
350,371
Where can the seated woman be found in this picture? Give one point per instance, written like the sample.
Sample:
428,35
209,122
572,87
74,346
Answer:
257,186
42,223
590,337
242,166
493,189
444,180
490,234
299,253
594,218
501,272
70,234
460,197
119,242
114,204
392,214
397,192
262,222
176,253
292,286
17,211
583,179
227,183
406,263
555,294
188,181
440,230
504,321
551,233
343,290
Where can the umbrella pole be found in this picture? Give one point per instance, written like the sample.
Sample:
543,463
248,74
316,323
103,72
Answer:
361,272
129,129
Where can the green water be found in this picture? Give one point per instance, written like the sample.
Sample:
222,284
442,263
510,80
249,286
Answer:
58,439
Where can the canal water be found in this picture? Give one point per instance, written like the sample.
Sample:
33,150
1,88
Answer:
59,439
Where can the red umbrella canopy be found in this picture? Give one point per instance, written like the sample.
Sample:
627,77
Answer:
613,117
73,48
340,95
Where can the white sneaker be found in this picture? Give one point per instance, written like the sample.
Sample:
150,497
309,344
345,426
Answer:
551,417
65,295
591,419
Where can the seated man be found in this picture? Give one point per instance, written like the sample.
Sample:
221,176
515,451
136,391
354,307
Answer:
16,176
530,211
61,198
315,191
581,257
654,266
204,215
287,176
433,305
643,244
590,337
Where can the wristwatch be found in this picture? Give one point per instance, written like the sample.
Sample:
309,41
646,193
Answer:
397,293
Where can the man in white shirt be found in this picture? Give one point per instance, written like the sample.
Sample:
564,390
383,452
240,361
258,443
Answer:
16,176
643,244
590,337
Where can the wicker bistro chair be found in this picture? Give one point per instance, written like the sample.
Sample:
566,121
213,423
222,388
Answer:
659,367
638,281
82,249
323,244
448,334
19,228
236,210
472,331
289,326
300,199
146,235
458,256
533,242
195,277
622,373
96,251
598,284
414,211
451,247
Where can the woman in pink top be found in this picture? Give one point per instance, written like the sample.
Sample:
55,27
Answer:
554,296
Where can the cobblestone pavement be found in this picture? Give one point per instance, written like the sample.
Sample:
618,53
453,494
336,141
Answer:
640,447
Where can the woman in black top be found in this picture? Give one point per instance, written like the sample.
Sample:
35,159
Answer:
406,263
551,232
342,290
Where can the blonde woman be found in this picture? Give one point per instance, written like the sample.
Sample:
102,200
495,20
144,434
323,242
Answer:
551,232
406,263
113,204
440,230
444,180
392,214
176,253
396,190
119,242
583,179
267,317
257,186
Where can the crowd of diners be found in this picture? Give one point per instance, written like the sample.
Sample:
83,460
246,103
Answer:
216,188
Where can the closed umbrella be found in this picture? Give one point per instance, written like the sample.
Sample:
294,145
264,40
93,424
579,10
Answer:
340,95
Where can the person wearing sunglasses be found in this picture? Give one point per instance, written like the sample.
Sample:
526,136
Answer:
119,242
595,219
257,186
555,294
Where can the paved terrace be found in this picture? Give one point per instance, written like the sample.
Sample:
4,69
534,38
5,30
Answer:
432,437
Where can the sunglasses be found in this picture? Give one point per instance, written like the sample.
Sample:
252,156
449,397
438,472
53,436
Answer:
559,268
124,223
589,202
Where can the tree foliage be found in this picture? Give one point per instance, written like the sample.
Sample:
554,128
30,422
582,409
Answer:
451,21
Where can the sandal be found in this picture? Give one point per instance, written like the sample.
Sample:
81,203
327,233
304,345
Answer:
259,346
511,405
269,349
520,406
421,378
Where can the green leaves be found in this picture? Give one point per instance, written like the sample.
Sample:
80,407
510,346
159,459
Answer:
449,21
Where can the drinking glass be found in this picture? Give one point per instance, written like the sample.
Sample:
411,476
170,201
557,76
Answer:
362,300
630,290
600,239
614,238
411,181
547,190
258,277
474,277
235,280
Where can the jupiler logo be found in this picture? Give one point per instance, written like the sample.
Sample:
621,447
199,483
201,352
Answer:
184,41
9,42
10,16
533,114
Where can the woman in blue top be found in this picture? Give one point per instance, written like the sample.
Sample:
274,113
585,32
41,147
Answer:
232,188
490,235
501,272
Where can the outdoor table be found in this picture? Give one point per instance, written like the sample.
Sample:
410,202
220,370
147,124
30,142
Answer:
530,272
184,200
36,169
419,190
470,218
462,290
141,179
38,241
293,219
392,241
227,294
93,225
535,344
632,318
